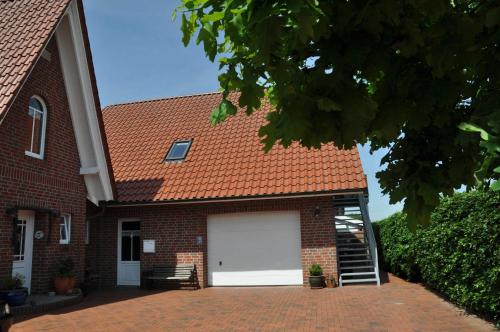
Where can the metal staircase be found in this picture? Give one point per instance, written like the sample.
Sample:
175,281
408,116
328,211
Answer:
356,246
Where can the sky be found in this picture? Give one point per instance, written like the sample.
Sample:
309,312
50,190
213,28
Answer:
138,54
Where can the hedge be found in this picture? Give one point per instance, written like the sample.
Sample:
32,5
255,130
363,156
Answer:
458,254
397,247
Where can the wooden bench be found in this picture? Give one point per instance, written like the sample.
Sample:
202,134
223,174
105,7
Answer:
183,273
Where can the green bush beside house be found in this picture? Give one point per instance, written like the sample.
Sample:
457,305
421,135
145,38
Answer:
397,247
458,254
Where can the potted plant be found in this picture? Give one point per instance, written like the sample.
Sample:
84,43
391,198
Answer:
65,279
316,279
12,290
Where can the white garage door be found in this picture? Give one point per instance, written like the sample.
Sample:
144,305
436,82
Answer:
254,249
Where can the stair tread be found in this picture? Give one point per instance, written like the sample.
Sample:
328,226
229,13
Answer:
349,281
353,249
349,274
351,234
359,267
357,261
352,255
352,245
350,241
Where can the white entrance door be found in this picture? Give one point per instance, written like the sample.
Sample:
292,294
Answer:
254,249
23,249
129,249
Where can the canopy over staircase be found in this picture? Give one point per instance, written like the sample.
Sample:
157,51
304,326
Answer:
356,246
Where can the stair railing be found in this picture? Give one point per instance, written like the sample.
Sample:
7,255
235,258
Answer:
369,234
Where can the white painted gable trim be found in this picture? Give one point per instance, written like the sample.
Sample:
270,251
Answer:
82,106
89,170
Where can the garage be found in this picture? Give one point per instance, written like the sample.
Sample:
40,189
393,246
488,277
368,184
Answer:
254,249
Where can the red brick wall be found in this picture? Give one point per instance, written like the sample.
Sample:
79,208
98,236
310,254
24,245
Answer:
53,182
175,229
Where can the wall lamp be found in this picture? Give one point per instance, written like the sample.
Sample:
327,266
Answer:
317,211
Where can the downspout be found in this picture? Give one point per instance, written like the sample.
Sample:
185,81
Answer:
99,214
98,242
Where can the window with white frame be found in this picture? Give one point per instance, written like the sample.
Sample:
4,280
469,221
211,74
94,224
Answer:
64,229
19,240
38,123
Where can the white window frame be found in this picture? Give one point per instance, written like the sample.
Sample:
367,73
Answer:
65,221
30,153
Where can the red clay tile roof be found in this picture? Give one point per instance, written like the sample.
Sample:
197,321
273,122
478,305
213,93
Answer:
25,27
224,161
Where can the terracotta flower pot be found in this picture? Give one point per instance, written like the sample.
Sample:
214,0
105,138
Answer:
64,284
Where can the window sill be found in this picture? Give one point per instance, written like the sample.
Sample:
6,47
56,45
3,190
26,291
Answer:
33,155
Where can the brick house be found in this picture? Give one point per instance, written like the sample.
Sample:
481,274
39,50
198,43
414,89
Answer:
195,193
53,152
209,195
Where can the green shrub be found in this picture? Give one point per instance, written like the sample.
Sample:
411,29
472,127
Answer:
458,254
397,247
315,270
66,268
12,282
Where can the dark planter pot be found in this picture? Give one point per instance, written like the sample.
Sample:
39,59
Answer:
317,281
15,297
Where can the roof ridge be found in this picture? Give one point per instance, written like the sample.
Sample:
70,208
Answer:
161,98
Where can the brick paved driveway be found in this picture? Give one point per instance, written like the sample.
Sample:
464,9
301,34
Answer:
395,306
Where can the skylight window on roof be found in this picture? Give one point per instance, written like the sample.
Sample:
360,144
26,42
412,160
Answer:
178,151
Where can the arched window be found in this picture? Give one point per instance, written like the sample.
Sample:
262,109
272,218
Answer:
38,116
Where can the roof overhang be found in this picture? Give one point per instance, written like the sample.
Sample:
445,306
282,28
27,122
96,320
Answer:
363,191
82,104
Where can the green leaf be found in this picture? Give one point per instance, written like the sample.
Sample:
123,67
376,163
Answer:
208,38
495,186
222,111
492,18
326,104
213,17
188,27
473,128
